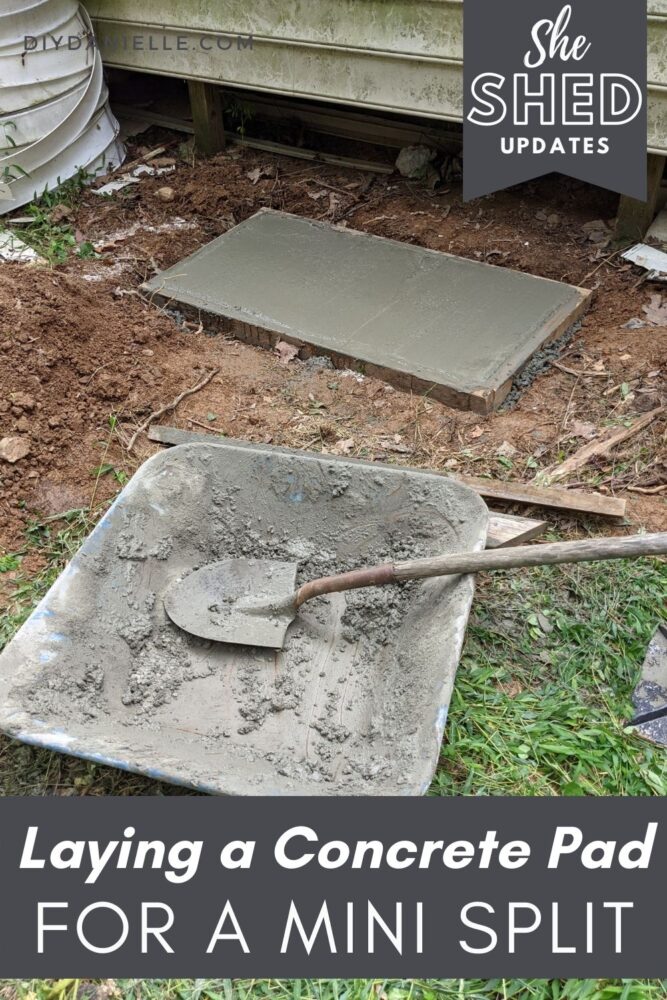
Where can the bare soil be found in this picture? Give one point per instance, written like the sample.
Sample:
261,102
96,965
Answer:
85,358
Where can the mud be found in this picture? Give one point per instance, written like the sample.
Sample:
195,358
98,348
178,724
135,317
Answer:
355,703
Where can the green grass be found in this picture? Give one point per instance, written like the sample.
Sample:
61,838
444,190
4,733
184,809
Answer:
544,687
541,699
336,989
55,241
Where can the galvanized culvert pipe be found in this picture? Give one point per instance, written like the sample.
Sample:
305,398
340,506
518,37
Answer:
55,118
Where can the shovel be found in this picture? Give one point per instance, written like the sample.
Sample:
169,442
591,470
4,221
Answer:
252,602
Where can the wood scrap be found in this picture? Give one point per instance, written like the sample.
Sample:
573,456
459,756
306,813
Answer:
508,529
540,496
534,496
146,158
169,407
596,449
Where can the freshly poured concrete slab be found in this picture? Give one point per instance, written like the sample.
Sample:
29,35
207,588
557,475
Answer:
424,320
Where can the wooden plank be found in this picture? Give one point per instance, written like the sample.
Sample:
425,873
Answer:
574,501
570,500
206,106
299,153
597,448
508,529
634,217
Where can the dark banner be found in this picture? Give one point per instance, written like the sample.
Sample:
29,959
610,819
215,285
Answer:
332,888
555,87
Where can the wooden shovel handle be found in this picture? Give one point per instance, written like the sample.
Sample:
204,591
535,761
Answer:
589,550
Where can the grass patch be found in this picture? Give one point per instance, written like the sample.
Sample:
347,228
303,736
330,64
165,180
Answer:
541,698
335,989
50,234
545,683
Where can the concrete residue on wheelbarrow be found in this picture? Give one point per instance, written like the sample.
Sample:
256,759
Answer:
354,704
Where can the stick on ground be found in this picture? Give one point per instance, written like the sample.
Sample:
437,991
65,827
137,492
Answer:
596,448
169,407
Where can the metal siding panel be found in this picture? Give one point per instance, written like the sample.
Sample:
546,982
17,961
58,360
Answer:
405,55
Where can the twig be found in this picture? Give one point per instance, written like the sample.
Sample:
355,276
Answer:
198,423
647,491
596,449
607,260
169,407
572,371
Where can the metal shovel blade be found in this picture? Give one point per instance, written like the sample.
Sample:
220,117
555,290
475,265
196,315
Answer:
248,602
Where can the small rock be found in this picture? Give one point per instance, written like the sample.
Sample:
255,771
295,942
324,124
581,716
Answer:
634,324
22,400
54,422
414,161
507,450
595,227
23,425
13,449
165,194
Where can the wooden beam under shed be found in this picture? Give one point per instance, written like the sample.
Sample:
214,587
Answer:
634,217
206,107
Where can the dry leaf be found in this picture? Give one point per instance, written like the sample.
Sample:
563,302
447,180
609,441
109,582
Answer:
656,311
583,429
507,450
477,432
61,212
259,172
286,352
394,445
343,447
334,204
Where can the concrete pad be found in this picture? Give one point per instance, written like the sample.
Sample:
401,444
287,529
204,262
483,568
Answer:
423,320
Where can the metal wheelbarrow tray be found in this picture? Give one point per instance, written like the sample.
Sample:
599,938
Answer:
357,701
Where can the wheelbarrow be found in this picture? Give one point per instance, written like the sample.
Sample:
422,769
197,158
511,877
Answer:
218,628
357,701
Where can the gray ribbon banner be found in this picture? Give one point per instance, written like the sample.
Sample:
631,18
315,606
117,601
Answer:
555,86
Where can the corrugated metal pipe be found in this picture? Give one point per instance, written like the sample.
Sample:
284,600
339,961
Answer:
55,118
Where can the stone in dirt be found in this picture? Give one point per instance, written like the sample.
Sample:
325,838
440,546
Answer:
13,449
414,161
